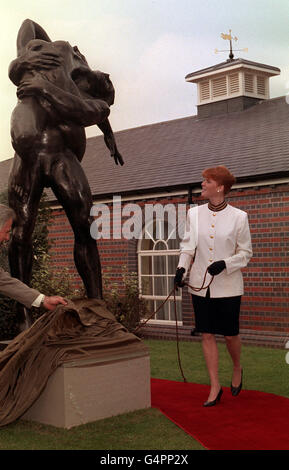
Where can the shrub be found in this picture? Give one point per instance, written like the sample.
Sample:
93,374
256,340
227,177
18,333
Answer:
123,299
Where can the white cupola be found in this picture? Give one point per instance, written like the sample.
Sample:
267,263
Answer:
231,86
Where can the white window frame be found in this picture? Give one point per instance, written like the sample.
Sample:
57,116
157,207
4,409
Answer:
150,253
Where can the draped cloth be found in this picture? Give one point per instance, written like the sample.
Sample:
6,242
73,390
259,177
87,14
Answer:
82,329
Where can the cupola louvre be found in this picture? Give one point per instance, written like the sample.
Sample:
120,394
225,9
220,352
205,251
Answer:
233,85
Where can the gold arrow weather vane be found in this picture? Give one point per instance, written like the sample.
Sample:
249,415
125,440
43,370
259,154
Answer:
229,37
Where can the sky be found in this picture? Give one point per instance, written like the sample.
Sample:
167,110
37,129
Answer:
148,47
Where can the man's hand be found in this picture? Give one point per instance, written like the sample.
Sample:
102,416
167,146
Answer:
50,303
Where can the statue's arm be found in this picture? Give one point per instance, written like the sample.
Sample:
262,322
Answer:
109,139
16,70
84,112
73,108
81,111
30,59
29,30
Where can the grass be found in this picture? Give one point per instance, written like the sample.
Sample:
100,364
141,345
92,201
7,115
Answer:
140,430
264,369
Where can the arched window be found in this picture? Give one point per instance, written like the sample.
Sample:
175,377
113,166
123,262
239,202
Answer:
158,255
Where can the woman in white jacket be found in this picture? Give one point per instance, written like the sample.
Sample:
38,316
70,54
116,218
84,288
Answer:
217,237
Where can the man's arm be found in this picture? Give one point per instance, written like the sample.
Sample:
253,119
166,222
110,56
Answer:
17,290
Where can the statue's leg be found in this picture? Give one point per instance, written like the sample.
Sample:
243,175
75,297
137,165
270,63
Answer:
27,123
24,193
24,186
71,188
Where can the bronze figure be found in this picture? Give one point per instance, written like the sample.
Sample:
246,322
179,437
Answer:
58,96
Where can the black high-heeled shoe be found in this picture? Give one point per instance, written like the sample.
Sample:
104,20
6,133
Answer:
236,390
214,402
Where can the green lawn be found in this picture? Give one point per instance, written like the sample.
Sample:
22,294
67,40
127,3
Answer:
264,369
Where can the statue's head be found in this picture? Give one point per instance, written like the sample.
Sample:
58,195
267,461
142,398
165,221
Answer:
95,83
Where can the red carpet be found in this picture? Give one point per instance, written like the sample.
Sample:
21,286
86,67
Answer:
252,421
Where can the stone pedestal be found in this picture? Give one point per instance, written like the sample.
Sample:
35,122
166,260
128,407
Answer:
88,390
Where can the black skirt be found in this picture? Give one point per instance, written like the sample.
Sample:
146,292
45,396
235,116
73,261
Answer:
217,315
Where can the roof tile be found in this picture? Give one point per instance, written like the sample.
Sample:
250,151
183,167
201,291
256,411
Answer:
253,142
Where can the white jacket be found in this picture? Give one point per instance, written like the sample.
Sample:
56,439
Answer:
213,236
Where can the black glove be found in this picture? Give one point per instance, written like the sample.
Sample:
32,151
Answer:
216,268
178,281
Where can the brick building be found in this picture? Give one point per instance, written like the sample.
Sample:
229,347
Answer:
237,125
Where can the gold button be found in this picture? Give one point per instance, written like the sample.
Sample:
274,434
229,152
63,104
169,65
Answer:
213,225
214,215
210,260
211,249
211,236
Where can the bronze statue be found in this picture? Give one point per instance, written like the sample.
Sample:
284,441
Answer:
58,96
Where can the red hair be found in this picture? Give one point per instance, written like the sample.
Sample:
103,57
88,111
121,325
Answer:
221,175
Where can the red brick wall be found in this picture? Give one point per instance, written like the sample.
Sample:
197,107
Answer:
114,254
265,304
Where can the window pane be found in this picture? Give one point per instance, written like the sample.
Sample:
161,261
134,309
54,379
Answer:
172,263
157,271
159,264
178,310
173,244
146,265
147,244
151,308
150,231
166,312
160,245
146,285
159,229
160,285
163,313
171,284
171,233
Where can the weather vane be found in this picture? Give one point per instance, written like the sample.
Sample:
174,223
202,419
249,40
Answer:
228,37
